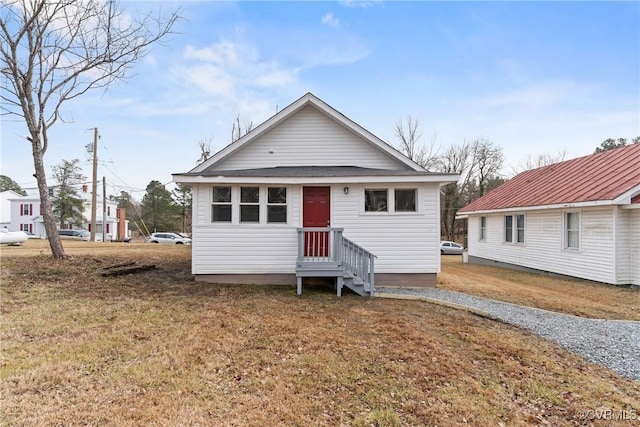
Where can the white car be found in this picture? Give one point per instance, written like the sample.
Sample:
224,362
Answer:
450,248
171,238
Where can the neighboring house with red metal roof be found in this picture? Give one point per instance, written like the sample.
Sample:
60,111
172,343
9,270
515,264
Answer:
309,193
580,218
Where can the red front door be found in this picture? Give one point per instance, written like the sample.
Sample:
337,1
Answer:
316,212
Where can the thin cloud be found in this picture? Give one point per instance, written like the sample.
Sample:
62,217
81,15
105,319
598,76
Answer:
362,4
330,20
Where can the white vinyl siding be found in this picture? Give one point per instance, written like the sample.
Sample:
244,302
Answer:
634,253
623,249
544,249
404,243
309,138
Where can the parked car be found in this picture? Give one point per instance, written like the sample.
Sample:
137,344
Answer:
171,238
74,235
450,248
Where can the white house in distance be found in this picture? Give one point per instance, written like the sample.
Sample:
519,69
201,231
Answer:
310,193
5,207
578,218
25,215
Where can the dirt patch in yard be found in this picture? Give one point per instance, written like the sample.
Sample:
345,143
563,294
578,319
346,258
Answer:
157,348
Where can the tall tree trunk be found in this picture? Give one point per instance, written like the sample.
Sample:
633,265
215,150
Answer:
47,210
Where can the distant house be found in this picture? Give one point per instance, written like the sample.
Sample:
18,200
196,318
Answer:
578,218
5,207
310,193
25,214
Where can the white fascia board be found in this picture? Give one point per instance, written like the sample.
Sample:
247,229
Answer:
541,207
190,179
625,198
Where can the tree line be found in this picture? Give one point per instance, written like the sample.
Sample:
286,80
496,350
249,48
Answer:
478,162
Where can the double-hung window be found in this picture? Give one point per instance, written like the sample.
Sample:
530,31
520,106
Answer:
483,228
572,230
514,228
249,204
508,228
221,204
277,205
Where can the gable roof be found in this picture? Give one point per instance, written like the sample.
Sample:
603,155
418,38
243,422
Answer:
307,100
612,176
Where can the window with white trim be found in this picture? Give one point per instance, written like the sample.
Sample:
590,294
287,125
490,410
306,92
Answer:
483,228
249,204
221,204
276,204
514,226
405,199
520,228
572,230
376,200
508,228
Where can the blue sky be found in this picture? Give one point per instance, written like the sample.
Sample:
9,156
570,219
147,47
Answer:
533,77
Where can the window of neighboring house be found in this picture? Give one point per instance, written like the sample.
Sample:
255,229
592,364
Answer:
221,204
508,228
572,230
405,200
520,228
375,200
26,227
108,210
26,209
249,204
50,191
483,228
277,204
514,232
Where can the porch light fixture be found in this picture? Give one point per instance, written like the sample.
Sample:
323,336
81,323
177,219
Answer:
346,190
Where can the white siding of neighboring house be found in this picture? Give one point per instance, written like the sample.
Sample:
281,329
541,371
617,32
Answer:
309,138
635,246
403,242
543,247
623,245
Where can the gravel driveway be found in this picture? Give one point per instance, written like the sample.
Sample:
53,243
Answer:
612,343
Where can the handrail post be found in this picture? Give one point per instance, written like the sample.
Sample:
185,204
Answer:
371,274
300,244
337,245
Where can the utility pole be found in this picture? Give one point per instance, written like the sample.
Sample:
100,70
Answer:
94,186
104,209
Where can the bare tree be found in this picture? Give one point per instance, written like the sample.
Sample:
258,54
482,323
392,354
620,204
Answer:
238,130
488,160
478,163
55,51
205,149
539,161
409,137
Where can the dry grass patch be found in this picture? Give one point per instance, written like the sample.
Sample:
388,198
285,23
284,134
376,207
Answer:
565,295
159,349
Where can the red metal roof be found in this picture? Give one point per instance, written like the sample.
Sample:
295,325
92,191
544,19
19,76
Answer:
597,177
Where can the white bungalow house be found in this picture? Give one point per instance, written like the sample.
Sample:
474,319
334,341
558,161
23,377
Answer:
310,193
577,218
